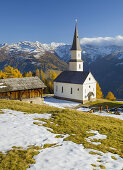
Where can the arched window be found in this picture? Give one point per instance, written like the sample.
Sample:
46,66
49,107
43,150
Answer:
79,66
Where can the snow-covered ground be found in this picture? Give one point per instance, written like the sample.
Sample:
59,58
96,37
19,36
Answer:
71,156
110,115
17,129
59,103
84,109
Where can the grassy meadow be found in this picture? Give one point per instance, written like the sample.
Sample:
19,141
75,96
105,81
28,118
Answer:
66,121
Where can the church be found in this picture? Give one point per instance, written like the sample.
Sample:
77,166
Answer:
75,84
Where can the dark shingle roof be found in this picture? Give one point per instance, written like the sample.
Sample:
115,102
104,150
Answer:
76,44
74,77
15,84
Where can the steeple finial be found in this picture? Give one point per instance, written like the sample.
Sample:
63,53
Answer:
76,20
76,44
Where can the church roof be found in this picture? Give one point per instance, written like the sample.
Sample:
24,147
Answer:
74,77
76,44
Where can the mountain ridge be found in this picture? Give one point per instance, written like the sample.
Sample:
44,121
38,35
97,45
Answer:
107,59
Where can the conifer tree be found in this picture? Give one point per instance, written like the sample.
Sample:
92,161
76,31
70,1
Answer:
99,93
33,74
24,74
110,96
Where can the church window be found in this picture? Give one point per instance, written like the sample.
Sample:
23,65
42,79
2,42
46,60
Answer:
71,91
79,66
56,88
89,78
62,89
78,89
89,86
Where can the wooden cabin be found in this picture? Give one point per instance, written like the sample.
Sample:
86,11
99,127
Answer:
21,88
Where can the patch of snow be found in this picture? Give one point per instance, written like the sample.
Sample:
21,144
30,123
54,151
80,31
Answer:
3,86
109,115
97,136
120,101
84,109
73,156
59,103
17,129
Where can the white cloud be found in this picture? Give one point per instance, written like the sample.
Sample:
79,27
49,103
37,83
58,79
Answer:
103,41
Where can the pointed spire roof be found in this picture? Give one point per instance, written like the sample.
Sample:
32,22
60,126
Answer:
76,44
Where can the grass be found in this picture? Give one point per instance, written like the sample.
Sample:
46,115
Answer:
94,165
113,157
95,153
1,112
19,158
67,121
104,103
102,167
27,107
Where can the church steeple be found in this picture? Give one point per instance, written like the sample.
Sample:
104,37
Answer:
76,63
76,44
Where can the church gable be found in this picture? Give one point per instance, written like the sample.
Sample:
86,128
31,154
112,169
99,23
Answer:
89,79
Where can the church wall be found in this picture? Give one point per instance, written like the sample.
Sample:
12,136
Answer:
89,86
77,92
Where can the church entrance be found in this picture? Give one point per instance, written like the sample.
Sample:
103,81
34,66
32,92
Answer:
90,94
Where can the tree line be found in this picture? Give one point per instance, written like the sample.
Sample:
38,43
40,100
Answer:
10,72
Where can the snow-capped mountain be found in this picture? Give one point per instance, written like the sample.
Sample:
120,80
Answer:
62,50
102,54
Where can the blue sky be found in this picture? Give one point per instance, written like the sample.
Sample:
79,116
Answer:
54,20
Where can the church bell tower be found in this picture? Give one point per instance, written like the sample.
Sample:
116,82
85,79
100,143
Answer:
76,63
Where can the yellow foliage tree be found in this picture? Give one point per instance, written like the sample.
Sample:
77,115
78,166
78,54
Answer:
54,75
10,72
30,74
99,93
110,96
38,73
27,74
42,76
2,75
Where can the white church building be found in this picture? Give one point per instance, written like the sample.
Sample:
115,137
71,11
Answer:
75,84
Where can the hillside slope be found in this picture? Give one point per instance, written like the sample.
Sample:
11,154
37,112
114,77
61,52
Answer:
104,61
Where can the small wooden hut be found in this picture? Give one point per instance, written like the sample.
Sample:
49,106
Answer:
21,88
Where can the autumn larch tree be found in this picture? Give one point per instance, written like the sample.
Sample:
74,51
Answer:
110,96
99,93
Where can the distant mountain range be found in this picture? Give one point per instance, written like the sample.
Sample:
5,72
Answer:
103,58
